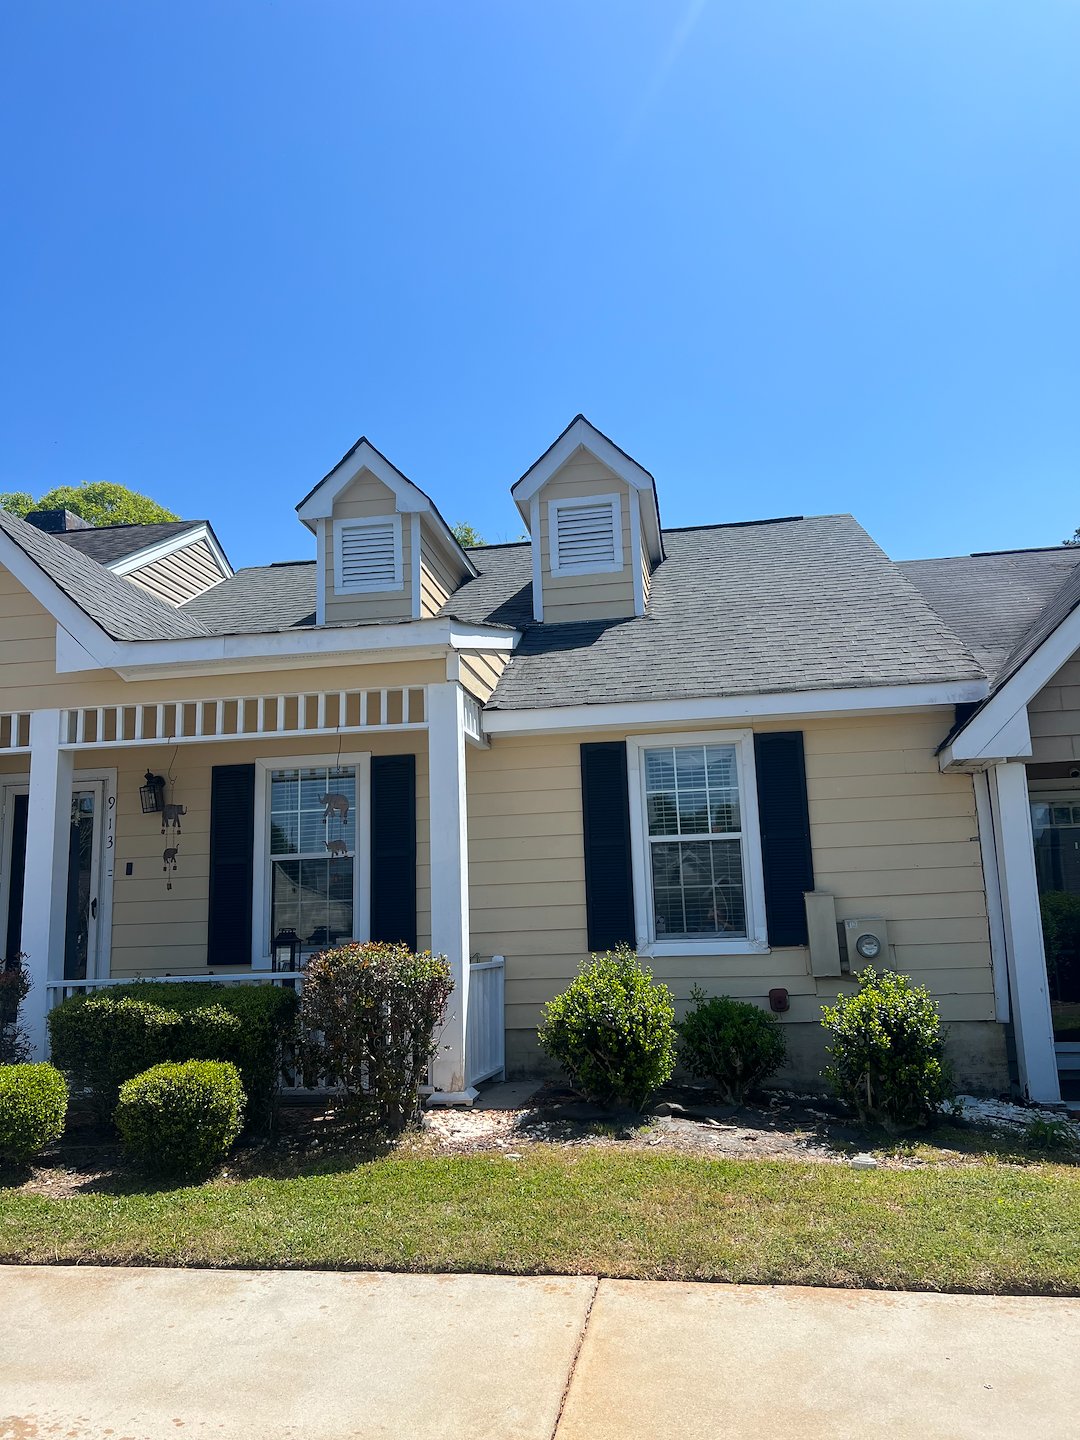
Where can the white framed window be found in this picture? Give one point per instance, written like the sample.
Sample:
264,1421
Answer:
585,535
367,555
312,858
698,882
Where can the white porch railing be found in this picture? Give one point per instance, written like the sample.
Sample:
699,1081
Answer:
485,1033
241,717
14,731
485,1030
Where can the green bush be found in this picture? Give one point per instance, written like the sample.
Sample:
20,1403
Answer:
1061,929
888,1051
102,1040
731,1042
181,1119
370,1014
612,1030
33,1108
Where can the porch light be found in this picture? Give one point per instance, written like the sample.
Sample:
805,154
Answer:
286,950
152,794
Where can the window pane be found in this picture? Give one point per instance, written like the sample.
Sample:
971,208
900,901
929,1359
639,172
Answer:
724,810
314,898
693,812
302,819
720,764
698,888
659,770
663,814
690,766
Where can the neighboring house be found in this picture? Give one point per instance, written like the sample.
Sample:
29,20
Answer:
609,733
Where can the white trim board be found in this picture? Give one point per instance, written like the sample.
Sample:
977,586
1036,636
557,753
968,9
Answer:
999,731
806,703
158,551
133,658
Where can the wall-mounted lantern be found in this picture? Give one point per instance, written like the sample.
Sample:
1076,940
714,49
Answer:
152,794
286,950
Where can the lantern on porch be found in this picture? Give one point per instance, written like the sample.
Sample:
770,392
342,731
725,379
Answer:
286,950
152,793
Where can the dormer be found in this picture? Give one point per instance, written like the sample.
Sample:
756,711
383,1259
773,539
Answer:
383,551
594,524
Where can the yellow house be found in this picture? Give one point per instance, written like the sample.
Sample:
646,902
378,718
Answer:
763,754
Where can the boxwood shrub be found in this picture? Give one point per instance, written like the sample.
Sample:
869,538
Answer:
612,1030
888,1051
731,1042
181,1119
102,1040
33,1108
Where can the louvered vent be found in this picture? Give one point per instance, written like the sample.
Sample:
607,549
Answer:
586,536
369,555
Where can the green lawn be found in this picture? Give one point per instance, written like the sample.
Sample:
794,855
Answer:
983,1227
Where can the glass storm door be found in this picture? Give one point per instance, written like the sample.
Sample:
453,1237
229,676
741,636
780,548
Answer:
83,877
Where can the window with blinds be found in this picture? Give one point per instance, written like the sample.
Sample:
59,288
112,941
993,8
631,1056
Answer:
367,555
586,535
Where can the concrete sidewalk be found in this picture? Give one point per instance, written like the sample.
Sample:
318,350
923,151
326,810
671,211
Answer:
143,1354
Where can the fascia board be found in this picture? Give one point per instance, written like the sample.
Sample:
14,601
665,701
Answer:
807,704
978,738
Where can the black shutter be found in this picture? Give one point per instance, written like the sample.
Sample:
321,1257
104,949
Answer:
232,838
393,848
609,877
785,834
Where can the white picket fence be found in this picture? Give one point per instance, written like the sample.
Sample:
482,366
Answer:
485,1033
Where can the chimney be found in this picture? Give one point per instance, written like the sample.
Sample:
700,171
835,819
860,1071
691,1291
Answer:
57,522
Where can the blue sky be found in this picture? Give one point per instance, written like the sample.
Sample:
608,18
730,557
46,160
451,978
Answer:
793,257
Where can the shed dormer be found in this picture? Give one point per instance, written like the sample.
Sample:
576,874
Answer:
383,551
595,528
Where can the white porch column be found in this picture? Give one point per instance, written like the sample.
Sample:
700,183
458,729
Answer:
1032,1025
48,837
449,880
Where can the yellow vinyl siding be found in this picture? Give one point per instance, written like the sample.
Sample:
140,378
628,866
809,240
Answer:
1054,717
176,578
480,672
156,930
586,597
892,837
436,582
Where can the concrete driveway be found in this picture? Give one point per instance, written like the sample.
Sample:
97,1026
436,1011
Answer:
143,1354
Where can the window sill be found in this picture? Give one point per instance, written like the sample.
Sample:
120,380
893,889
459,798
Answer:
688,948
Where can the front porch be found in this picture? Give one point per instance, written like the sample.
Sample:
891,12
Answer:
309,812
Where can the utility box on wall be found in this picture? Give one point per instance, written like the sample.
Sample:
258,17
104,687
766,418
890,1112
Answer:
865,942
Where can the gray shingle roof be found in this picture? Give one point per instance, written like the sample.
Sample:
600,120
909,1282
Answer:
993,601
122,609
734,610
115,542
258,600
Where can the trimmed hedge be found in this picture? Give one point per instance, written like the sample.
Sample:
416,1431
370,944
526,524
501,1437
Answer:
612,1030
102,1040
731,1042
181,1119
33,1108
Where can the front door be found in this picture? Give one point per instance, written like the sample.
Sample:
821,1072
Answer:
83,878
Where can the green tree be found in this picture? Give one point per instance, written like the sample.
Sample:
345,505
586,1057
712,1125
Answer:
1075,539
466,534
101,502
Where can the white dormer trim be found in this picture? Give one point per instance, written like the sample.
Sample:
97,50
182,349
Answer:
342,529
559,564
580,434
537,565
409,499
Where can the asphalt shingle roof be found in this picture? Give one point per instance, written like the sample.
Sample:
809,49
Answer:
122,609
258,600
778,606
993,601
109,543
